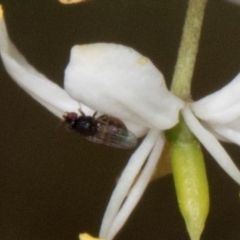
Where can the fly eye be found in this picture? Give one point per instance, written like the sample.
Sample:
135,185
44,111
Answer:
70,119
69,122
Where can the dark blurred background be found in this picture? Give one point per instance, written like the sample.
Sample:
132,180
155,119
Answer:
54,184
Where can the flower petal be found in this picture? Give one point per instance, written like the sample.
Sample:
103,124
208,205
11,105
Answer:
228,133
211,144
119,81
126,180
220,112
49,94
221,107
138,189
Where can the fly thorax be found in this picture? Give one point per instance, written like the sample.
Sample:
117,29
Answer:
86,126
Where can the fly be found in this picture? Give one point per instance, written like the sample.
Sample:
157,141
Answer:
105,129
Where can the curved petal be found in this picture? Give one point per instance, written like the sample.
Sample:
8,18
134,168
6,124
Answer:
126,180
119,81
221,107
49,94
220,112
211,144
138,189
228,133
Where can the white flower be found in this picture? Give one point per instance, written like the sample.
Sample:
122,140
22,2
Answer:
116,80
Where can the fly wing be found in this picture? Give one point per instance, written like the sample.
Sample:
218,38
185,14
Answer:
112,136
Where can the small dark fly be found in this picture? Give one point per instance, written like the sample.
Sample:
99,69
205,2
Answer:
105,129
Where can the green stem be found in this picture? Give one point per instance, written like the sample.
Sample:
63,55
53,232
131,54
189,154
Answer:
181,84
186,156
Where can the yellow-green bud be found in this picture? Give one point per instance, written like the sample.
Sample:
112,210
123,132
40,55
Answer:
190,178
